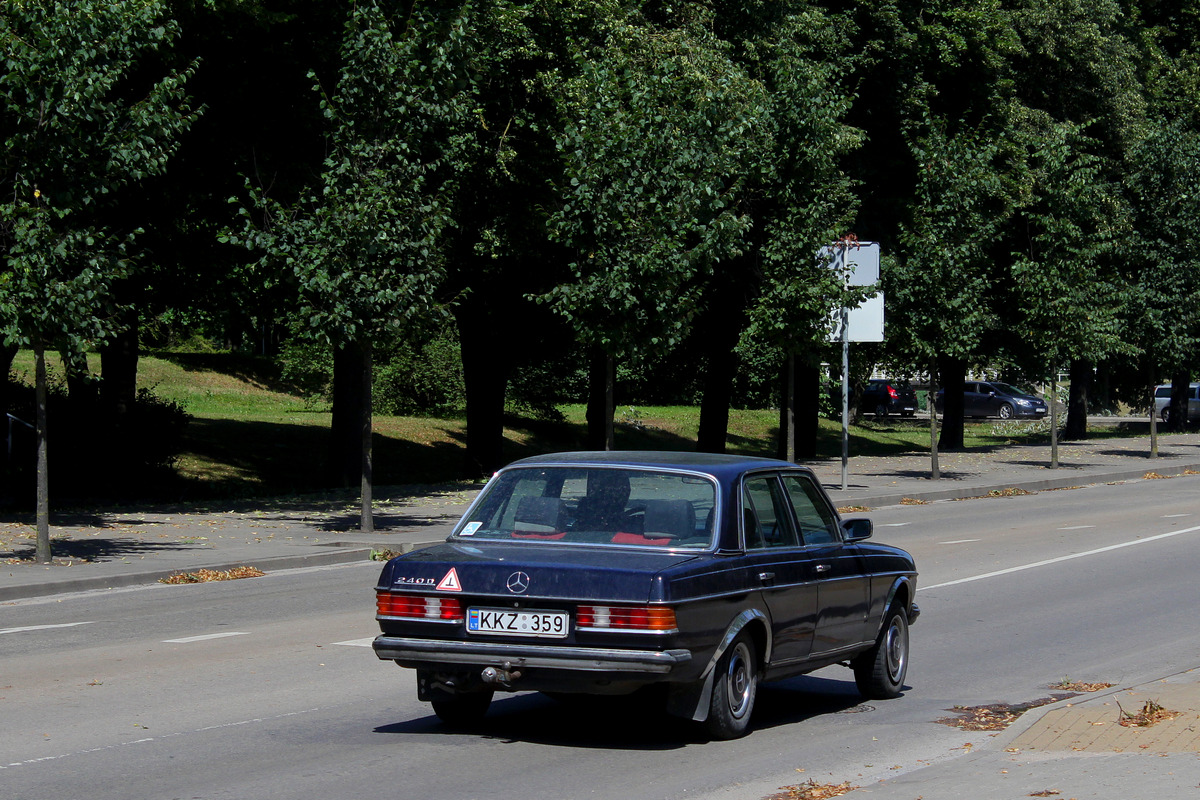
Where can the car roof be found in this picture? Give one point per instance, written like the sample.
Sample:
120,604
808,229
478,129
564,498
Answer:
718,464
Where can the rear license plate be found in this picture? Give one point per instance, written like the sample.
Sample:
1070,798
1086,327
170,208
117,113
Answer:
548,624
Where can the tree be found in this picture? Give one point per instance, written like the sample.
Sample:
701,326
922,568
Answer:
86,111
1078,79
363,246
659,134
1163,181
942,288
1065,289
803,199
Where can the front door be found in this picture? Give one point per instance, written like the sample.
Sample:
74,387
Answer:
777,566
843,587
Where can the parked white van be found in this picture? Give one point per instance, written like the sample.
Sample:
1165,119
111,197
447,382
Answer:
1162,402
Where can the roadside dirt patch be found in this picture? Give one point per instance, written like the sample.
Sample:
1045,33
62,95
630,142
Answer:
209,575
812,790
995,717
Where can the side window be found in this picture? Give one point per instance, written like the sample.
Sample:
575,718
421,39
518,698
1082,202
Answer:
817,523
764,514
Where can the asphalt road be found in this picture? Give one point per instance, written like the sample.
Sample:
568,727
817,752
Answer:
265,689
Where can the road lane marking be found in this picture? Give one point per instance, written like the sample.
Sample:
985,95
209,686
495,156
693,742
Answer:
892,524
162,738
43,627
1173,516
358,642
1077,527
962,541
205,637
1060,559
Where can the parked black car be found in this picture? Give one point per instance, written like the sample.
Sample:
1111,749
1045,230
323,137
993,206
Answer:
603,573
996,399
882,397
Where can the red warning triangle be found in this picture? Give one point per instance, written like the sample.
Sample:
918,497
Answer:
450,582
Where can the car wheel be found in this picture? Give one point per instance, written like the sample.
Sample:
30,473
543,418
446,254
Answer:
1166,415
462,709
1006,411
879,672
734,690
881,411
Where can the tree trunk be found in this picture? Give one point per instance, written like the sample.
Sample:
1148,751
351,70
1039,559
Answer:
601,405
345,459
485,375
807,403
1180,389
7,354
367,520
118,369
42,547
717,397
953,374
1077,402
81,390
786,450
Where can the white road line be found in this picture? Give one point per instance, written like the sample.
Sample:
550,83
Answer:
1077,527
358,642
43,627
1049,561
962,541
893,524
1173,516
152,739
205,637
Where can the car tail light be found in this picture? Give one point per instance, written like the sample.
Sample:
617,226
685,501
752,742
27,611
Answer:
892,391
643,619
408,606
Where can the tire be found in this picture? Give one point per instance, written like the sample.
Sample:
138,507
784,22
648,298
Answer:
1166,415
462,709
881,411
879,672
734,689
1006,411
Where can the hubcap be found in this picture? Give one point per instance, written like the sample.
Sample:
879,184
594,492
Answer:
897,650
740,680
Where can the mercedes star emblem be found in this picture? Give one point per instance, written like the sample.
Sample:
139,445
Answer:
518,582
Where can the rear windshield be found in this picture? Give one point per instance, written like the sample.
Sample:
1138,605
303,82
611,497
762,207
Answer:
595,505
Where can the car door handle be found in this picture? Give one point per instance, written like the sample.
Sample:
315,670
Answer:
766,577
824,567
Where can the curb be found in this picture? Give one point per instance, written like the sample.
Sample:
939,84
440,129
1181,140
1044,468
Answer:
1040,485
338,555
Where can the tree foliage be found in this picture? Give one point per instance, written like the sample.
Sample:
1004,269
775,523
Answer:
83,114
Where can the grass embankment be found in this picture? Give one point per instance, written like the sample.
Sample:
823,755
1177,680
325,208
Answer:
254,434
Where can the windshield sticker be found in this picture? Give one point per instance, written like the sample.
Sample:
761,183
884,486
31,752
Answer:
450,582
470,529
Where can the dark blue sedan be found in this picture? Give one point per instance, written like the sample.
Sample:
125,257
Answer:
607,572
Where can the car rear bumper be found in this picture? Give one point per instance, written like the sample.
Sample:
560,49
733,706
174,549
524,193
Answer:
424,653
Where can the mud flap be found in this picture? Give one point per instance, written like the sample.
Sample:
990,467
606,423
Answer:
691,700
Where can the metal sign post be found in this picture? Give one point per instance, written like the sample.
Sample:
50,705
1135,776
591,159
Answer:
863,323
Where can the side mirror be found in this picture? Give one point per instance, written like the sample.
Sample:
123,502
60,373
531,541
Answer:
855,530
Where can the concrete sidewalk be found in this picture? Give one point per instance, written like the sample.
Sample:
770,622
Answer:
1075,749
1037,756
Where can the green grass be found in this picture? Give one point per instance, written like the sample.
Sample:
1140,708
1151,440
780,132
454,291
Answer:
254,434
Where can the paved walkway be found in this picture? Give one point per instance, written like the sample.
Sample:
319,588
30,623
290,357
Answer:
1039,755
